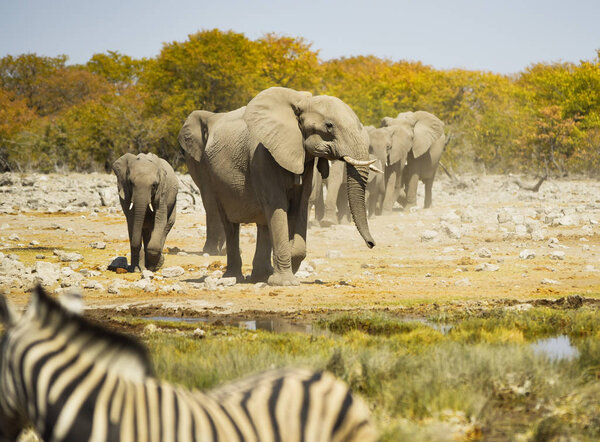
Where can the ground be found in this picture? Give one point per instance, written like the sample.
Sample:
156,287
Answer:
491,222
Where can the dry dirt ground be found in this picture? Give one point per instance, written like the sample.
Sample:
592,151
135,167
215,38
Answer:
469,250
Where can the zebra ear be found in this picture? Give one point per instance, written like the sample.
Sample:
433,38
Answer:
7,315
72,301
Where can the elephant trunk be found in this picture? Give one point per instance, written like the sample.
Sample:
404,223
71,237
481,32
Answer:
140,204
356,182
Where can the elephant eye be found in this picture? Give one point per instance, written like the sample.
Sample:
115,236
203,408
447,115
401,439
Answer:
329,125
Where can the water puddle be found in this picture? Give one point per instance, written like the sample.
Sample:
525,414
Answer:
558,348
275,325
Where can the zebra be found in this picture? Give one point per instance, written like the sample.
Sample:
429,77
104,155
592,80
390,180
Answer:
73,380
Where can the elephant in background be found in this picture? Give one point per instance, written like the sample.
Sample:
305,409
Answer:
260,163
415,142
215,233
148,189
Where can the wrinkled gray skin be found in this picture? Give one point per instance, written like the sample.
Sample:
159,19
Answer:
149,183
260,163
414,139
215,233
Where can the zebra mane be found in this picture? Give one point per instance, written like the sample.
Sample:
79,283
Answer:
42,307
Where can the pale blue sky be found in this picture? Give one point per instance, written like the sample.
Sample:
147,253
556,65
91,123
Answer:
501,35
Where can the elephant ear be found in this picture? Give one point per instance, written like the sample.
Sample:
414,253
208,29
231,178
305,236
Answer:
121,169
272,118
194,133
402,140
428,129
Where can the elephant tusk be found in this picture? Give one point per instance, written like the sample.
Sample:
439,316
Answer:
131,206
350,160
151,208
375,169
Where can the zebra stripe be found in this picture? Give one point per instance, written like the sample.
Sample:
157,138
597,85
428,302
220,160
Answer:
75,381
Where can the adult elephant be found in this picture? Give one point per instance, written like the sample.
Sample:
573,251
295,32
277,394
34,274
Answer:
147,188
260,164
415,142
215,233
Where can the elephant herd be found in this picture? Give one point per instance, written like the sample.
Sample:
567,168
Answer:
260,164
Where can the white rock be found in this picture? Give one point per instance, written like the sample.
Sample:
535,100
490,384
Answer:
549,281
527,254
520,230
199,333
483,252
151,328
538,235
428,235
150,288
557,255
518,219
216,274
46,273
173,272
590,268
113,289
487,267
68,256
140,284
34,243
98,245
451,230
565,221
333,254
13,237
463,282
147,274
227,282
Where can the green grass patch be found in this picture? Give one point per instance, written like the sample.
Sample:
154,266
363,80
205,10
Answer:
481,379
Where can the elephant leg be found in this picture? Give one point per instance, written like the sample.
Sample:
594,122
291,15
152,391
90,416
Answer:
428,187
262,267
412,183
334,182
390,191
234,258
215,232
297,220
146,235
282,266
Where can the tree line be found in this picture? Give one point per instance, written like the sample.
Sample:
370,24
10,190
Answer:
56,116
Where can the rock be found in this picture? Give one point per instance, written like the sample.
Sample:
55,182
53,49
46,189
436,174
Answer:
333,254
553,242
451,231
216,274
428,235
150,328
486,267
527,254
557,255
520,230
171,288
147,274
503,217
199,333
549,281
40,256
483,252
140,284
260,285
90,284
68,256
13,237
98,245
34,243
113,289
149,288
119,262
538,235
46,273
172,272
590,268
564,221
450,217
302,274
227,282
463,282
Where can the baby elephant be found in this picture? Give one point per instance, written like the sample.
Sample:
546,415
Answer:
148,193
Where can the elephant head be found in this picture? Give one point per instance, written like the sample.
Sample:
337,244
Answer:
142,183
297,126
412,132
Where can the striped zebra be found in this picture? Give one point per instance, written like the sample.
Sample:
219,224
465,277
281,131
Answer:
72,380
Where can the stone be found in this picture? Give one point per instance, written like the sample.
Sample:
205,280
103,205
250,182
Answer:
428,235
68,256
98,245
527,254
451,231
559,255
483,252
590,268
199,333
564,221
113,289
149,288
46,273
227,282
333,254
520,230
503,217
34,243
90,284
150,328
260,285
487,267
210,283
172,272
549,281
463,282
171,288
140,284
147,274
13,237
40,256
538,235
119,262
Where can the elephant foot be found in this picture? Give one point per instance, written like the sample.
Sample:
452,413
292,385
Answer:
409,206
214,250
261,275
327,222
134,269
158,265
283,279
